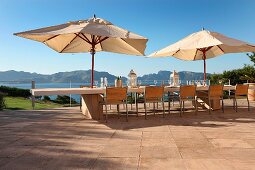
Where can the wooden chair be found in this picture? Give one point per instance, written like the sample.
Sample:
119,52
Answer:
115,96
153,94
187,93
241,91
215,92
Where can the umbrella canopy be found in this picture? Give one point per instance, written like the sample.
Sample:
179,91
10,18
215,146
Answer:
203,45
92,35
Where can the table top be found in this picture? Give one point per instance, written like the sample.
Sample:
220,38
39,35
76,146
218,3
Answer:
86,90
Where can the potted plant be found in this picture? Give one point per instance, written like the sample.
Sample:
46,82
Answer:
118,82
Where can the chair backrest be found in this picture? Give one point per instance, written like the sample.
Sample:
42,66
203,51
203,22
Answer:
116,94
187,91
215,91
241,89
153,92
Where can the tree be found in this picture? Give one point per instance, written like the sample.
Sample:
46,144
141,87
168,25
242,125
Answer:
252,57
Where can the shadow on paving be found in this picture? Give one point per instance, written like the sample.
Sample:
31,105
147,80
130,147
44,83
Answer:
63,139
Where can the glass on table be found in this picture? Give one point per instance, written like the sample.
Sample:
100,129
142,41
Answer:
169,82
155,82
96,83
139,82
127,82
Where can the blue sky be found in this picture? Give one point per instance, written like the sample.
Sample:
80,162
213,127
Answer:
163,22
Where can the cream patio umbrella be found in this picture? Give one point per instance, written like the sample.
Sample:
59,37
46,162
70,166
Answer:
203,45
92,35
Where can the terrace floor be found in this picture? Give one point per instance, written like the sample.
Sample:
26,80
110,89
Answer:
63,139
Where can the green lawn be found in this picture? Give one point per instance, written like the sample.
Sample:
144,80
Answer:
19,103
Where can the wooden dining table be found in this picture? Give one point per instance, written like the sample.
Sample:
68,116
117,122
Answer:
91,97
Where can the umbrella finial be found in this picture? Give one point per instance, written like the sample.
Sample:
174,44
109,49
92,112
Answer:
95,16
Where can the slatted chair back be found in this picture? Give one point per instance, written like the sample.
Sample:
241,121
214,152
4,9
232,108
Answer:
116,94
187,91
154,92
242,89
215,91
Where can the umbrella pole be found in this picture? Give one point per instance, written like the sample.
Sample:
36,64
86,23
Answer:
92,67
204,58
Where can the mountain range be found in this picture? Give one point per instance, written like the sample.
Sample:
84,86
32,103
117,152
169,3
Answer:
85,75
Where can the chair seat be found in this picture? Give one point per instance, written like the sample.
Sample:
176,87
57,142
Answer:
112,102
238,97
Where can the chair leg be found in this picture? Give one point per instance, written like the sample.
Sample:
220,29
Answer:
136,109
169,106
209,106
163,108
145,110
222,104
236,104
106,114
248,104
180,108
183,107
118,109
154,111
126,112
195,106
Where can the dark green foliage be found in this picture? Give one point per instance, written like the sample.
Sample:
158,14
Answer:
236,76
15,92
2,103
215,78
46,98
252,57
64,100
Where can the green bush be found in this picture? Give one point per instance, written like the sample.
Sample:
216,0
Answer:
236,76
2,103
15,92
46,98
64,100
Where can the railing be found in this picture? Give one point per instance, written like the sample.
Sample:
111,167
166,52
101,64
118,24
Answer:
70,84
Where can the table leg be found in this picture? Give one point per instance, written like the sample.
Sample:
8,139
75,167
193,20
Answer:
91,107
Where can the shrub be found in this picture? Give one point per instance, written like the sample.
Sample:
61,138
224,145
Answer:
236,76
2,104
15,92
64,100
46,98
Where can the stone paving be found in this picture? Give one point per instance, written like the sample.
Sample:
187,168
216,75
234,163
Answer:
63,139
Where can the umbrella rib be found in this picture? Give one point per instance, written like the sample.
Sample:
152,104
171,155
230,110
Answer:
86,38
220,48
250,45
195,54
50,38
101,40
176,52
68,43
98,39
83,39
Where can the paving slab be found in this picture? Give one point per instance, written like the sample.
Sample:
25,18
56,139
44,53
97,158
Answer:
63,139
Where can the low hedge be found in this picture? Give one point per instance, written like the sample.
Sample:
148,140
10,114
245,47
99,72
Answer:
15,92
2,103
